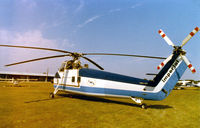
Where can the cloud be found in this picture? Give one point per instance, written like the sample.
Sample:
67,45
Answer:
89,21
92,19
81,5
66,44
29,38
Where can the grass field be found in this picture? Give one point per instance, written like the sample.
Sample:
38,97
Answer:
29,106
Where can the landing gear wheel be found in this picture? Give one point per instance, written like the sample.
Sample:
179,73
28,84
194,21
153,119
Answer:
51,95
144,106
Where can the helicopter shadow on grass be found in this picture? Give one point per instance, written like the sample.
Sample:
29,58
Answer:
46,99
101,99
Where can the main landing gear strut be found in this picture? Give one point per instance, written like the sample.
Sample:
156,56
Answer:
52,94
139,102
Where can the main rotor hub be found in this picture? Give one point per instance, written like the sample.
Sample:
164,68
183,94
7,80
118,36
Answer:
178,50
76,55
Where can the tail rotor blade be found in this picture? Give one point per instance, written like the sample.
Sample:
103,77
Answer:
164,62
188,64
163,35
190,36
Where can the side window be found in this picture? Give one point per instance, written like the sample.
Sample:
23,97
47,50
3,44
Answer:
73,78
79,79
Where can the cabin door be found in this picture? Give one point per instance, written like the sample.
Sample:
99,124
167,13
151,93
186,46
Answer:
72,78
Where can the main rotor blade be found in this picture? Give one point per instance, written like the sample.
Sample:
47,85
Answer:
43,58
153,57
151,74
93,62
49,49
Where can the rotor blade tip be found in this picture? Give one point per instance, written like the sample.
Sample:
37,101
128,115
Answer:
197,29
193,71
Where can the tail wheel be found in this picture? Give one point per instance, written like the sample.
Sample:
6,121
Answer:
144,106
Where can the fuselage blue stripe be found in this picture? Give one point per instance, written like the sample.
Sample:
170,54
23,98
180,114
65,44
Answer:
109,91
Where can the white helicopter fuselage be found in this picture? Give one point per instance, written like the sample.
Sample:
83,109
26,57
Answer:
100,83
73,82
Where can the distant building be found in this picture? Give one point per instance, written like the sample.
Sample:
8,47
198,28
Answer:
17,76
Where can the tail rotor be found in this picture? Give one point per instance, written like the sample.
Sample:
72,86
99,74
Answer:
178,49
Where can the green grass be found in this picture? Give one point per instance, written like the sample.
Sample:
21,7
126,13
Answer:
29,106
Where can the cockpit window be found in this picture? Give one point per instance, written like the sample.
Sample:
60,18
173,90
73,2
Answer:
62,67
71,64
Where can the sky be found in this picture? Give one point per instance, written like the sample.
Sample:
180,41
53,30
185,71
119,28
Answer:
110,26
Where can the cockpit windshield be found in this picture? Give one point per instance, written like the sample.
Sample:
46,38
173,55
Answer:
71,64
62,67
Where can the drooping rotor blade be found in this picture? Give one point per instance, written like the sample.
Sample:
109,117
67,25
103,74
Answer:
151,74
93,62
163,35
43,58
49,49
153,57
190,36
164,62
188,63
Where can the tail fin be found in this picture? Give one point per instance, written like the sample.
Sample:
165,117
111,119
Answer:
164,71
170,74
167,78
176,64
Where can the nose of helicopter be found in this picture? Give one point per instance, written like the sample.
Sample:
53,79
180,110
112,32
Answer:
57,75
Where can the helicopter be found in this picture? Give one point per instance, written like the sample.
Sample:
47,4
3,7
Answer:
73,77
